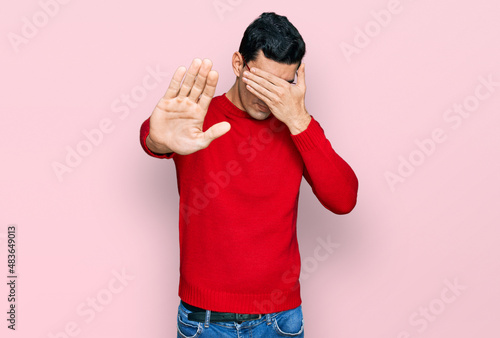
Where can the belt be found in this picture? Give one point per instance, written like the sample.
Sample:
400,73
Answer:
198,315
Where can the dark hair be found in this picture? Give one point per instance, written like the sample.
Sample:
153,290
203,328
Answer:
278,39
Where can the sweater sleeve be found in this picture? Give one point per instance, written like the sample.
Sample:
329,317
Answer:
144,132
332,180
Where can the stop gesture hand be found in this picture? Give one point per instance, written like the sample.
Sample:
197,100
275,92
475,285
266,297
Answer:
176,124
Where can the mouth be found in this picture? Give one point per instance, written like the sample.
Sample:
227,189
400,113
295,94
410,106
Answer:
264,109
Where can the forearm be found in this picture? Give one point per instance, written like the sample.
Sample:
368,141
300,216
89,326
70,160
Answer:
332,180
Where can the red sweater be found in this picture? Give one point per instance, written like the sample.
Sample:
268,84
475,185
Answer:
238,209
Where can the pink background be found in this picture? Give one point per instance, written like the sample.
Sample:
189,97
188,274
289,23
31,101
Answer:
116,211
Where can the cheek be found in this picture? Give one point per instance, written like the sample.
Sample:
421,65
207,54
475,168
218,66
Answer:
246,95
243,87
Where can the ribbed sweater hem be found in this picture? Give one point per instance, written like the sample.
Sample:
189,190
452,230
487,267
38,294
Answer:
222,301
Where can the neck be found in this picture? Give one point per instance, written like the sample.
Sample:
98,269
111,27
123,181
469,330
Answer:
233,95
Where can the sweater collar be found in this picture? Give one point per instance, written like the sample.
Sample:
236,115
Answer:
231,109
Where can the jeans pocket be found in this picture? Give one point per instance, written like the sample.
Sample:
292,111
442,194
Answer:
187,328
289,323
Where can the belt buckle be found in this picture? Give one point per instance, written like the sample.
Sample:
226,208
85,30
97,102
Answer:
239,317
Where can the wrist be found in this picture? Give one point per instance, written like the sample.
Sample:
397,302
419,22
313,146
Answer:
156,148
300,124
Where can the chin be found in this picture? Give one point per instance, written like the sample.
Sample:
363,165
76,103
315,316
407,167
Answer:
260,115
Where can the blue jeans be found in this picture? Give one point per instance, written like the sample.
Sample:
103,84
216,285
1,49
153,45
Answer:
288,323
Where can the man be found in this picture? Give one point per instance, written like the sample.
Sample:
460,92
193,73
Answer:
240,158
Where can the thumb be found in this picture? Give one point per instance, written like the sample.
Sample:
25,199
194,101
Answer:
215,131
301,75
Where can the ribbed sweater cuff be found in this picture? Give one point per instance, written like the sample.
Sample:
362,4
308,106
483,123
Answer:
310,138
144,132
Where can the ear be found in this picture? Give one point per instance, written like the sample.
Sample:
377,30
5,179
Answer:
237,64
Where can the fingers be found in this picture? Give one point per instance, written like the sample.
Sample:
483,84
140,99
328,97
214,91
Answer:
255,81
209,91
201,80
261,96
273,79
175,83
190,77
215,131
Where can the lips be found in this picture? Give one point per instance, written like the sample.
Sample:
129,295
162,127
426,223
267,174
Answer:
263,108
